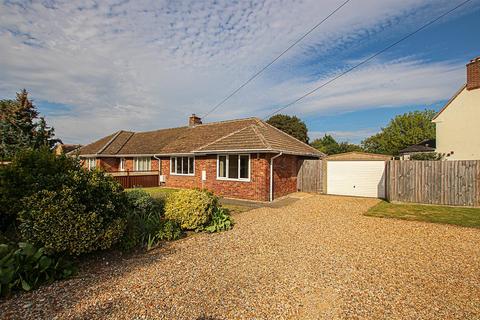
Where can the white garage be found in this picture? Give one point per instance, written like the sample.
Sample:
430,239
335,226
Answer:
356,174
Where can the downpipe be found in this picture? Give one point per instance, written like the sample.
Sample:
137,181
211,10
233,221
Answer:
271,174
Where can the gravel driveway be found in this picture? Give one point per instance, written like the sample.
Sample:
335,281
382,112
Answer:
317,258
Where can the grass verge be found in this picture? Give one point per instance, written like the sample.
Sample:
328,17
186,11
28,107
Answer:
460,216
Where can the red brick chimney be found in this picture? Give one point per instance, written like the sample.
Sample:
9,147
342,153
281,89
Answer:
473,74
193,120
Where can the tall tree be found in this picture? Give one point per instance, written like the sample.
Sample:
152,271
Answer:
329,145
291,125
20,127
402,131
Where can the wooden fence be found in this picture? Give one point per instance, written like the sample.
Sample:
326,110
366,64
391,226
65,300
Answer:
454,183
137,179
310,176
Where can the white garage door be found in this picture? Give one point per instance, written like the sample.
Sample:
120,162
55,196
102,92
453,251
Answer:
356,178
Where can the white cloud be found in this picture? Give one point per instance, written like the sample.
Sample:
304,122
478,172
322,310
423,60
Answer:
148,64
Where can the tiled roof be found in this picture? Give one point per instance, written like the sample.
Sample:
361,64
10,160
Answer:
249,134
424,146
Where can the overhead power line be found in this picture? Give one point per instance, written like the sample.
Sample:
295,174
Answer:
368,59
274,60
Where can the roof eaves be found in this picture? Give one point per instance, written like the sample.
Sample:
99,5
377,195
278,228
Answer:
449,102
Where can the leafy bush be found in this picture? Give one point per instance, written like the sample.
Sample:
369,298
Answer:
62,223
61,206
30,172
25,267
146,225
221,221
170,230
192,209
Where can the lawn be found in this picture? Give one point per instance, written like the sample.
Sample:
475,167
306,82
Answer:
161,192
465,217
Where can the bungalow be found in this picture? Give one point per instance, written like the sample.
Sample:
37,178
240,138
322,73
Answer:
246,158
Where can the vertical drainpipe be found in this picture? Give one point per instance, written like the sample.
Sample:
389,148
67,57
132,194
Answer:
271,174
159,168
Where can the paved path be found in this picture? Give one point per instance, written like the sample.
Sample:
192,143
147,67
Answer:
317,258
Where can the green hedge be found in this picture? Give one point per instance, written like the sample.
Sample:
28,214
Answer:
192,209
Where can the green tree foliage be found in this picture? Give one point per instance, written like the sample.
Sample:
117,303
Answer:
291,125
329,145
402,131
59,205
21,127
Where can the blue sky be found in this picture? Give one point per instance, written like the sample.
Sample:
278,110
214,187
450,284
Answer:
95,67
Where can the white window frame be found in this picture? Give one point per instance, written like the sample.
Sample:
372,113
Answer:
227,165
91,161
173,168
137,160
121,165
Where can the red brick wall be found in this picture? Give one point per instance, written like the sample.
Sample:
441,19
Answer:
255,189
258,188
473,74
285,170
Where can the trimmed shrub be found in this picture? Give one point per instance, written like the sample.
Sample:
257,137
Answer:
30,172
24,267
61,206
221,221
60,222
192,209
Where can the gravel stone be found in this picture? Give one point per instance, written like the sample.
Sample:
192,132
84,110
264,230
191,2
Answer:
317,258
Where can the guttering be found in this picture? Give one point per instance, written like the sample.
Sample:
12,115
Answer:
271,174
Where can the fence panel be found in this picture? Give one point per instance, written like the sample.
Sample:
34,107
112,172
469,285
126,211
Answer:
434,182
310,176
137,180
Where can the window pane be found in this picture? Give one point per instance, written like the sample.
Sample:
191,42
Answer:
148,164
191,165
244,167
233,166
172,165
179,165
185,165
222,163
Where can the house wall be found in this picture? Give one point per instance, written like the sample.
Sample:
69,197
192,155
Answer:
255,189
458,127
285,172
258,188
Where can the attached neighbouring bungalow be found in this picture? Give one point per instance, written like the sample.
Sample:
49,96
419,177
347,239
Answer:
246,158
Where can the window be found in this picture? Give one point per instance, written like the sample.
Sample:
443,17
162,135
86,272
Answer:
92,163
182,166
143,164
233,167
121,167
